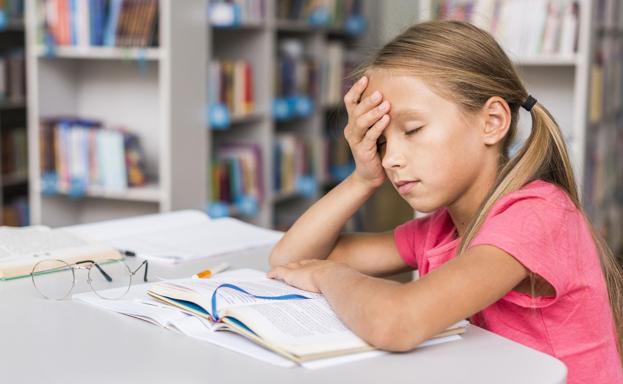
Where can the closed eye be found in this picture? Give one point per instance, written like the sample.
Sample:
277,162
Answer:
412,131
380,145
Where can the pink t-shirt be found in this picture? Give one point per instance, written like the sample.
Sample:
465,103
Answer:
539,226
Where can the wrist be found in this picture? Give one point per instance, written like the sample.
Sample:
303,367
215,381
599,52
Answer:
329,272
368,186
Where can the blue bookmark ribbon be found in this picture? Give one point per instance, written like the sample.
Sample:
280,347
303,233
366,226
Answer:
237,288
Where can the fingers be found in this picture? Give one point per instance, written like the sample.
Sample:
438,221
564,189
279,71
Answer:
368,103
372,135
365,121
279,272
351,99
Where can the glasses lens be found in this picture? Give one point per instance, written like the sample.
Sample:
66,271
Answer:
110,279
54,279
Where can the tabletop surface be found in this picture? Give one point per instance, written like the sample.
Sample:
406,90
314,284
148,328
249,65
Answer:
70,342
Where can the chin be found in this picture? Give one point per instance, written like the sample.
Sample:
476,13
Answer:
422,206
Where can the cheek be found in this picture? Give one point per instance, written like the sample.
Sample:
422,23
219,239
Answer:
449,155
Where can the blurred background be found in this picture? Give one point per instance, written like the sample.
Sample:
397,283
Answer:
114,108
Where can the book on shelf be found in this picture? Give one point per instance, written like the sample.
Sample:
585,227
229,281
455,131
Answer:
236,175
296,324
13,11
602,189
111,23
15,213
551,27
231,84
334,13
296,72
296,81
335,69
14,151
22,248
13,75
293,162
339,162
232,13
609,13
80,154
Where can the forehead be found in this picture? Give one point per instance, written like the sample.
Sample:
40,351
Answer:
409,96
402,91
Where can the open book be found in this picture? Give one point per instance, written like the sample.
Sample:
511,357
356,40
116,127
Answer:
296,324
22,248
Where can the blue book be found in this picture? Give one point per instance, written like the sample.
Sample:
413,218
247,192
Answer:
96,22
110,35
73,22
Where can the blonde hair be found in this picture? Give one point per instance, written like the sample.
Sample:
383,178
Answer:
467,65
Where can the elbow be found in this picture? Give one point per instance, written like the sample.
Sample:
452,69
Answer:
277,257
392,334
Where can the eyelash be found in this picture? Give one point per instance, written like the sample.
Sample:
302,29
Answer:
411,132
407,133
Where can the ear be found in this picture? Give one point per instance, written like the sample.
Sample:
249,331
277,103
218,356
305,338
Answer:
496,118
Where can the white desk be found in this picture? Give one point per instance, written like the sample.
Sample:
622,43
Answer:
66,342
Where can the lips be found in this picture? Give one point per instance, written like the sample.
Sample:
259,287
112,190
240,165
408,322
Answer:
405,186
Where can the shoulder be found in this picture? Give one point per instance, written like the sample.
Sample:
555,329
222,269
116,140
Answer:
536,194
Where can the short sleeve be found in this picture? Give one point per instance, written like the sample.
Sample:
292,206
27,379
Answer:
534,231
410,239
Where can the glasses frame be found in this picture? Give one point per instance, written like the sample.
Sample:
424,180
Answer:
88,265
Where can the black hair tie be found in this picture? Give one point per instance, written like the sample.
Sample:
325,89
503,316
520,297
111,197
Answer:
529,103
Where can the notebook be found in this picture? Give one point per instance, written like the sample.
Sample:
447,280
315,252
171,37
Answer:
22,248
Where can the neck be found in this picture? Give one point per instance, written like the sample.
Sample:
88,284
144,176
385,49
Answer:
463,210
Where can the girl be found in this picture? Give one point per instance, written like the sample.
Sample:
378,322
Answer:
507,242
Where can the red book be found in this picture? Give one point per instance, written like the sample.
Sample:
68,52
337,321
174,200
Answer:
248,88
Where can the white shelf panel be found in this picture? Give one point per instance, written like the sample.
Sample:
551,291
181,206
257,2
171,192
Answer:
100,53
548,60
149,193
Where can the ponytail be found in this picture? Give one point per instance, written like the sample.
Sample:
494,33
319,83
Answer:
544,156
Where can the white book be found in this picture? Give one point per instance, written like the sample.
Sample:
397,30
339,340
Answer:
179,236
568,33
22,248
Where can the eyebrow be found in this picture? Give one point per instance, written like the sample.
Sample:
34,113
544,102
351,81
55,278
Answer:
404,114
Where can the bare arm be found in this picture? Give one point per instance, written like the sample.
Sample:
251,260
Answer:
398,317
373,254
316,234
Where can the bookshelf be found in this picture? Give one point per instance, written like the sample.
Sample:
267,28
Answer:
291,118
13,178
155,92
604,191
173,97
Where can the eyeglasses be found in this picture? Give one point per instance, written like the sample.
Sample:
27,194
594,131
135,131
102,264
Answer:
55,279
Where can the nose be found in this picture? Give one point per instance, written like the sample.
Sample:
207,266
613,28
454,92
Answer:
393,158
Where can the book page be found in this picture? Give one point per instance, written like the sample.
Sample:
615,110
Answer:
18,243
254,282
298,326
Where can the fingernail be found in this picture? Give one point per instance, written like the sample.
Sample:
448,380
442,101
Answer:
383,106
376,96
362,80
